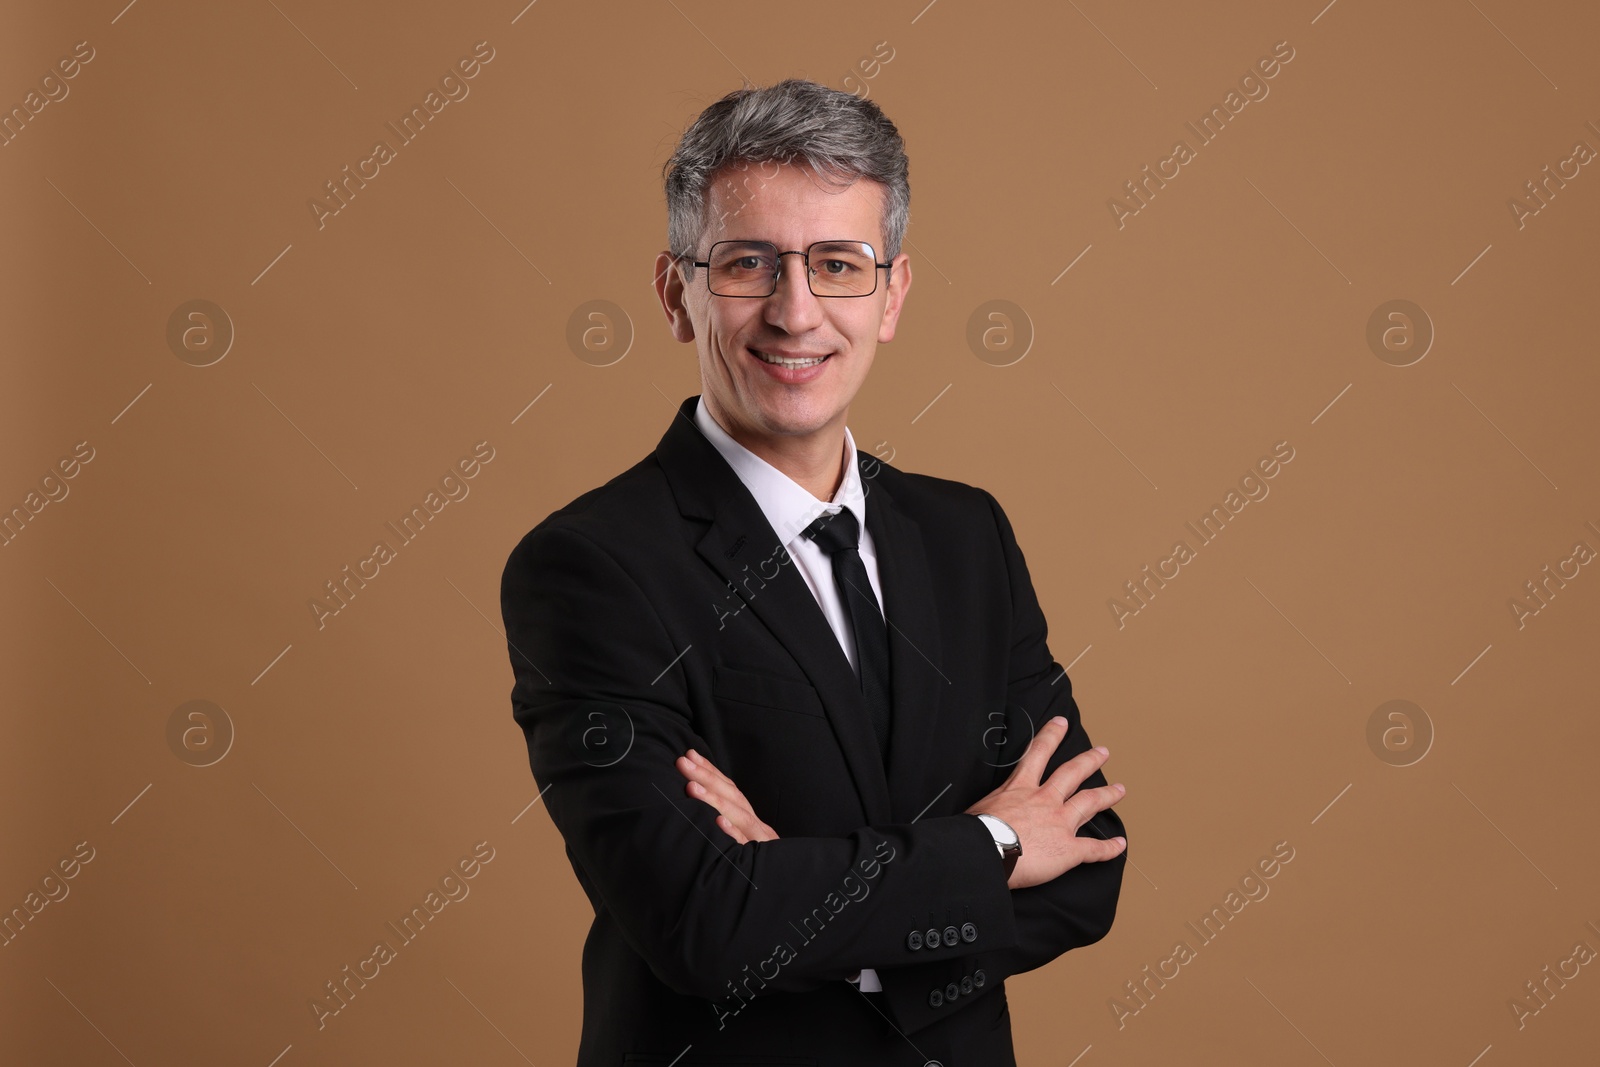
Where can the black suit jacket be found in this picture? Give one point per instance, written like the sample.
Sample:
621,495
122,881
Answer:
659,612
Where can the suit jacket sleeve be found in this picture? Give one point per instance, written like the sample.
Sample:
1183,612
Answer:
1078,907
603,700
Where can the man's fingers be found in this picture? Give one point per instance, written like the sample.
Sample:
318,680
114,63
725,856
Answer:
1096,849
701,767
735,816
704,772
1087,803
1030,768
730,812
707,785
697,768
1066,778
718,792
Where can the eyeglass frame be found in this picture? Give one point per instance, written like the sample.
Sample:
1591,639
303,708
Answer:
777,266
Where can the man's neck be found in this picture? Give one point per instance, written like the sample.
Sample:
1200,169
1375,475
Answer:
814,461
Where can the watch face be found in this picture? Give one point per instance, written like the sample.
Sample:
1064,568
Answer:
1002,832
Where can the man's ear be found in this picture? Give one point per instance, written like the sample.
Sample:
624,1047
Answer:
899,285
671,289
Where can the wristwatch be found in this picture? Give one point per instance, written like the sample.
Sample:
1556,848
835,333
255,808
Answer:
1005,839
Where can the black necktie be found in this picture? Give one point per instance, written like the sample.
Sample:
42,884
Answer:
838,534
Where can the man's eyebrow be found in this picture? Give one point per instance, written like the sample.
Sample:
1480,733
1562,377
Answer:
770,241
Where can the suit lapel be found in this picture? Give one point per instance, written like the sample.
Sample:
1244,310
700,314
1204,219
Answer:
739,545
914,647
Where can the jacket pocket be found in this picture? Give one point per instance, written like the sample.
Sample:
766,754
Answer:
766,691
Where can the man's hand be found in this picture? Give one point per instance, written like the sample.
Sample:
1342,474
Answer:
1047,817
737,818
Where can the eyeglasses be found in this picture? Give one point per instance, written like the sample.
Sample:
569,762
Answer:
750,268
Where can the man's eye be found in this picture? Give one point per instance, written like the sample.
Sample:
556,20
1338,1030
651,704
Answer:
842,266
748,263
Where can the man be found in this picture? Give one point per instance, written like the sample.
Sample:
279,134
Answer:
768,685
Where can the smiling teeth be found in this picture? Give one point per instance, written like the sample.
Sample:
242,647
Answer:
780,361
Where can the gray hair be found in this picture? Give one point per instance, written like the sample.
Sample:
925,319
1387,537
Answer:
838,136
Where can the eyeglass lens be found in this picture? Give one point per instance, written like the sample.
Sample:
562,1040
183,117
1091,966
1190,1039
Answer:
749,268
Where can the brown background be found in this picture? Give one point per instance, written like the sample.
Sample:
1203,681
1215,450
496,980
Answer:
1229,314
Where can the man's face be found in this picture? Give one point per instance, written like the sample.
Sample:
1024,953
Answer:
754,399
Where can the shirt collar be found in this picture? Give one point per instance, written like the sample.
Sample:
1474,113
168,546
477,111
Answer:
788,507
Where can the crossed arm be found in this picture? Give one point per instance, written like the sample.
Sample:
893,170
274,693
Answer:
1047,814
1050,811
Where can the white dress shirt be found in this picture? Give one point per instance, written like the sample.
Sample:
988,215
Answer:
789,509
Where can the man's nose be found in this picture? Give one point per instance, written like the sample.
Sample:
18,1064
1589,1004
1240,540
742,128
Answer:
793,307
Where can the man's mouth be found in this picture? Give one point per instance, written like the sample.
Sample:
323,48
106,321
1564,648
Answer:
787,361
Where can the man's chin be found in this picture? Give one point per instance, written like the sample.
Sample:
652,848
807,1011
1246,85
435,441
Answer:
789,415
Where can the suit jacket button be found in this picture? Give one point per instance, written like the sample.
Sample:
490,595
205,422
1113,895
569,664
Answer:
935,999
969,932
952,991
978,978
952,936
966,985
931,938
914,940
